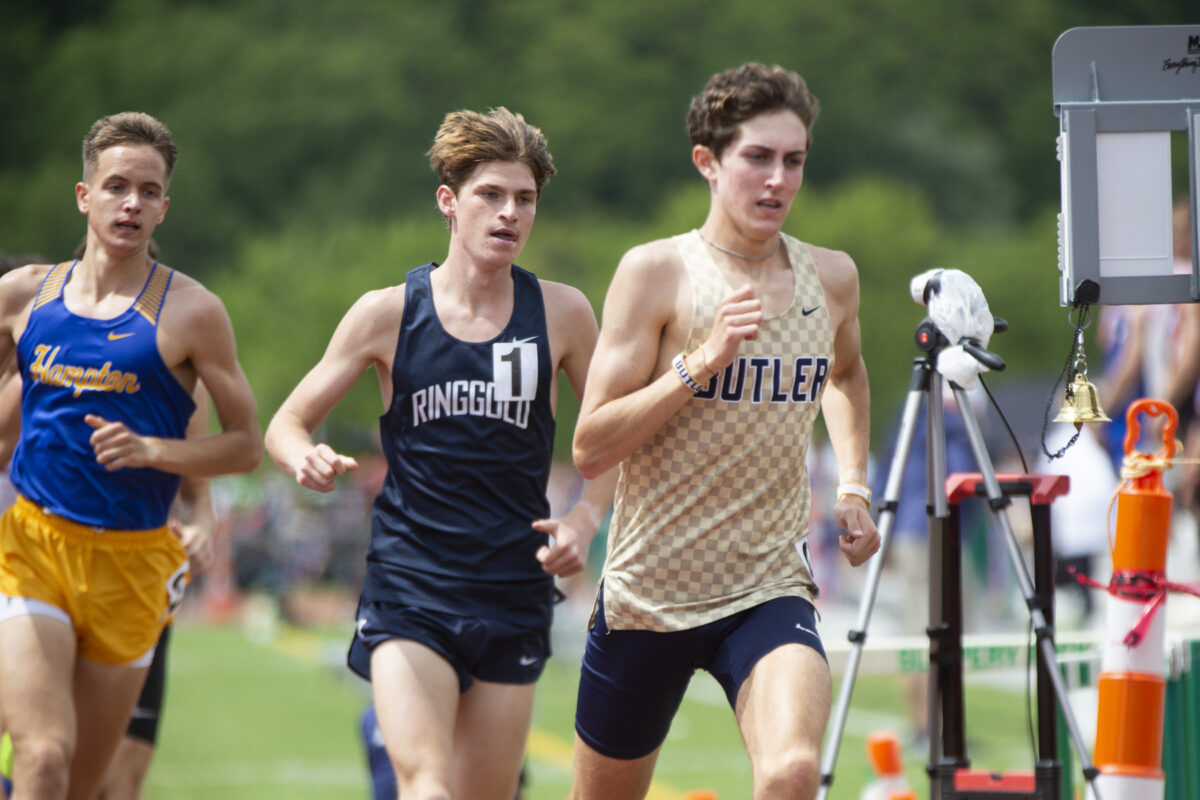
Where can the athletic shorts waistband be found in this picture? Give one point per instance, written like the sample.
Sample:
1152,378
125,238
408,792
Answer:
88,534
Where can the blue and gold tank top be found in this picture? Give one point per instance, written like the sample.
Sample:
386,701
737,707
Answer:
72,366
468,440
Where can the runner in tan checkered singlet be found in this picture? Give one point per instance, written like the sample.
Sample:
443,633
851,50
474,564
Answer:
716,348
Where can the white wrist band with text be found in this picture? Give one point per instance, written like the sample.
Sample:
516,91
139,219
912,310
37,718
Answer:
856,489
682,371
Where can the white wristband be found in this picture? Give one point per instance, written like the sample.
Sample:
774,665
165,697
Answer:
682,371
856,489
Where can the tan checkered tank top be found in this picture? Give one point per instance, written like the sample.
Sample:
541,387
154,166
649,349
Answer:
711,513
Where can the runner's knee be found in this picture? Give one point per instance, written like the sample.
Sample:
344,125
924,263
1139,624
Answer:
43,762
792,772
421,787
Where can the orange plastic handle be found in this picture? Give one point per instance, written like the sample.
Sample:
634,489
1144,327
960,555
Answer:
1133,429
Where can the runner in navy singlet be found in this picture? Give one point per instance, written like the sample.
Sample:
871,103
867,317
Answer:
453,622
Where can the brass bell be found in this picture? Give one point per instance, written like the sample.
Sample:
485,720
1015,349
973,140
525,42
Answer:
1081,403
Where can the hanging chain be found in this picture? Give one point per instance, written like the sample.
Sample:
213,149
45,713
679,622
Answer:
1076,363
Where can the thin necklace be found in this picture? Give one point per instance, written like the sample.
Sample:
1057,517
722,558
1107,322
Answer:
735,254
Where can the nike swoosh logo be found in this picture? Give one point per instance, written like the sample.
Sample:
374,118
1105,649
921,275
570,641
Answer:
807,311
526,339
112,337
527,661
362,623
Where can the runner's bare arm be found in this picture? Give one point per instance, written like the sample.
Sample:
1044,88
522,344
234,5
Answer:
365,337
192,518
846,403
195,334
573,334
632,391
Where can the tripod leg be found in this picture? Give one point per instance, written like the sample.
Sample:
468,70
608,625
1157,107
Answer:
858,636
1045,632
947,740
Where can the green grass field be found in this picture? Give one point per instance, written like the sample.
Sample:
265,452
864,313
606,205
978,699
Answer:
260,719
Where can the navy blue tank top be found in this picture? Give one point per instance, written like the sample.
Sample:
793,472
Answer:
72,366
468,440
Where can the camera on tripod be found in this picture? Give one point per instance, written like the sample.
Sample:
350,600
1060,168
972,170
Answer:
953,341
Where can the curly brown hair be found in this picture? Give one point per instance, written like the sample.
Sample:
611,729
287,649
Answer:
738,94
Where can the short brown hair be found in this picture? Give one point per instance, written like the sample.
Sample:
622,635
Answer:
741,93
469,138
128,127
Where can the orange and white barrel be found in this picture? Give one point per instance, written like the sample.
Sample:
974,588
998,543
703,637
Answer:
1132,684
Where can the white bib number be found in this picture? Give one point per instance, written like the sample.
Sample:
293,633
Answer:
515,370
176,587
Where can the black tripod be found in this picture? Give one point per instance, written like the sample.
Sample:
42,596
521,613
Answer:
947,751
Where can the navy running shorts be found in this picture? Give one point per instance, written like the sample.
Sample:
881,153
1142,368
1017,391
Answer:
487,649
632,682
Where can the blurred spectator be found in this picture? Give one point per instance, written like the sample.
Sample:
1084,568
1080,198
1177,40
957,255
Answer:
1150,351
1184,391
1078,522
